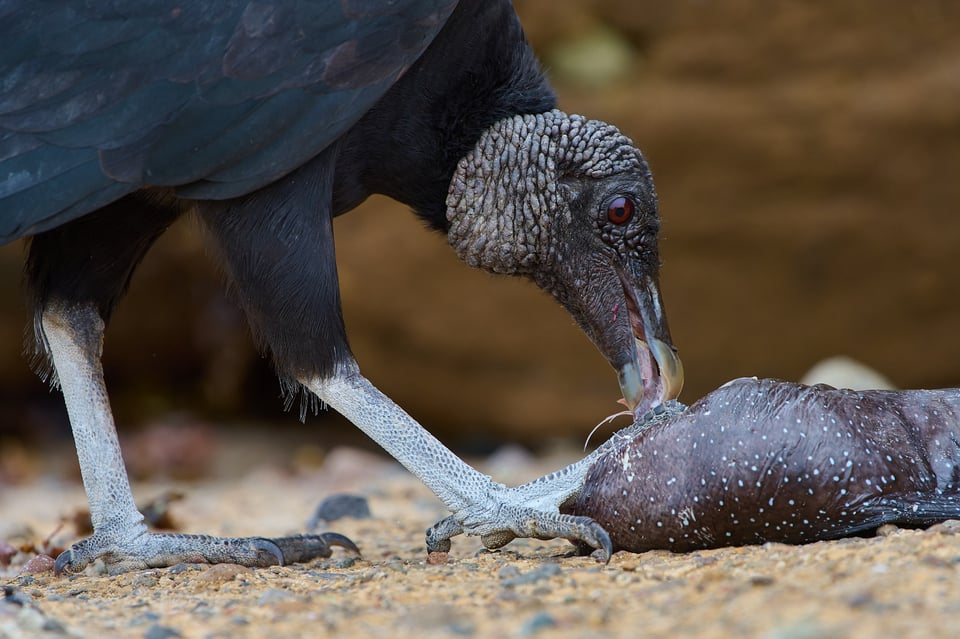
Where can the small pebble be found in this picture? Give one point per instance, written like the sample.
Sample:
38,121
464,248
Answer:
934,561
40,563
462,628
222,572
14,596
145,580
543,572
949,527
181,568
804,629
203,611
157,631
6,553
328,576
396,565
509,571
54,626
535,624
860,599
145,618
438,558
275,595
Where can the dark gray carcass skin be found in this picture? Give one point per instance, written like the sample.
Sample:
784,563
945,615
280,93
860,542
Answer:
764,460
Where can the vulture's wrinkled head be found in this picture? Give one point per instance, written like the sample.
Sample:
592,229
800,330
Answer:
570,203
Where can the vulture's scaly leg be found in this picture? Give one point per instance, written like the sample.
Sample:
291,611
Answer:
74,336
480,506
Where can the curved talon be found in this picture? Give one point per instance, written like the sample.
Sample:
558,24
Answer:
263,544
64,562
606,545
336,539
301,548
590,537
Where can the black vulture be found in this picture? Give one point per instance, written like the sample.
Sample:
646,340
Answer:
266,120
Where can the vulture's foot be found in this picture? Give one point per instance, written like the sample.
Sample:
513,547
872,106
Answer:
534,510
496,528
156,550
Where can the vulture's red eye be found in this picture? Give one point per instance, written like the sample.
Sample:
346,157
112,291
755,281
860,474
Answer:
620,210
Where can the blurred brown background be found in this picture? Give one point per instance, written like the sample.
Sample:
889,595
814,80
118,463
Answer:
807,157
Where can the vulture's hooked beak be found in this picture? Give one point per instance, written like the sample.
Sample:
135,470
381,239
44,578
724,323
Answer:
648,368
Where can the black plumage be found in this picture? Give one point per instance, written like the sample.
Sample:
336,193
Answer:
220,129
214,98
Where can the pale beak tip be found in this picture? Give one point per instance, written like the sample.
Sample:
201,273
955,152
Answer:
666,384
671,368
631,385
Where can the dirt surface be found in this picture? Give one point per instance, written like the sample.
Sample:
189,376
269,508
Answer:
805,154
902,584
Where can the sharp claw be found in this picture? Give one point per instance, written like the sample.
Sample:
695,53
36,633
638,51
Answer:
336,539
591,535
63,562
265,545
606,545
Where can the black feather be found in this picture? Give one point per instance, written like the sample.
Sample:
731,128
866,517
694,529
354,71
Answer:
151,85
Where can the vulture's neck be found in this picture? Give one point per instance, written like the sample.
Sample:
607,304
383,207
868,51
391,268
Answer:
478,71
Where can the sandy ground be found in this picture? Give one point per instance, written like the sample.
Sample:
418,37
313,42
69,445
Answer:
901,584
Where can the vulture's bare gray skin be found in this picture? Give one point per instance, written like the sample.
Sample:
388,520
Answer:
503,192
516,206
